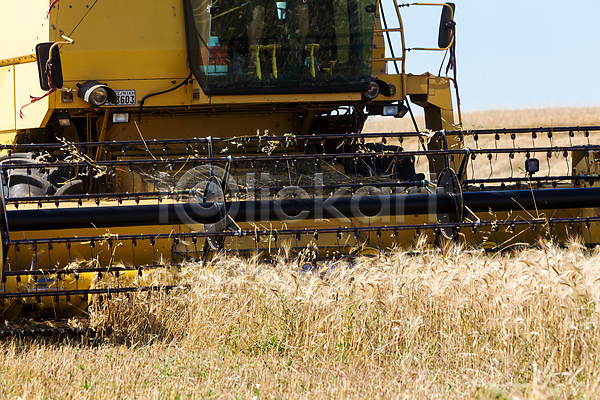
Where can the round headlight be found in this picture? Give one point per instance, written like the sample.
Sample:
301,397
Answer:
373,91
96,93
98,96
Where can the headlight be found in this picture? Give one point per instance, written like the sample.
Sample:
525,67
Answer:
120,118
98,96
96,93
64,119
387,109
373,91
391,111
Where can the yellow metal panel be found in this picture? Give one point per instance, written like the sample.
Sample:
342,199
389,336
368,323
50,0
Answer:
379,67
439,93
180,97
395,80
284,98
428,90
22,26
121,64
27,84
7,98
199,96
417,84
116,39
203,126
183,96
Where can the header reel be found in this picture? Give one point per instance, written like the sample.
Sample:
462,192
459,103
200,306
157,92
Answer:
262,196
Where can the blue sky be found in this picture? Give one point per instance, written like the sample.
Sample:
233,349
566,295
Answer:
515,54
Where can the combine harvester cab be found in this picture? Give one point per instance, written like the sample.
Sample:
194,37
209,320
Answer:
138,134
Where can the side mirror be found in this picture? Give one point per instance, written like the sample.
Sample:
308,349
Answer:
446,26
50,73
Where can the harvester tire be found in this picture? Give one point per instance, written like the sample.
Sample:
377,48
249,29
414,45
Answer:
38,180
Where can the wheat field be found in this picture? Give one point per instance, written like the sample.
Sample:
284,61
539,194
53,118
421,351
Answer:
407,325
491,119
502,165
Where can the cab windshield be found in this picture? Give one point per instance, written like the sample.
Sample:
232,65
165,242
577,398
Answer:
264,46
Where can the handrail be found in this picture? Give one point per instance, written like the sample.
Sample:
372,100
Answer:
18,60
400,29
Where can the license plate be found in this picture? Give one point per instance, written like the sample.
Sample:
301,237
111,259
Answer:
125,98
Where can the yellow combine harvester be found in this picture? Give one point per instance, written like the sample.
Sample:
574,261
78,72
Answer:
138,134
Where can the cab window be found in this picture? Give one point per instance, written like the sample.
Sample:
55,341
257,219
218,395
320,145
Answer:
265,46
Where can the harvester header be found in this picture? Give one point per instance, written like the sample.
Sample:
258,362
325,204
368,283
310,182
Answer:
143,134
